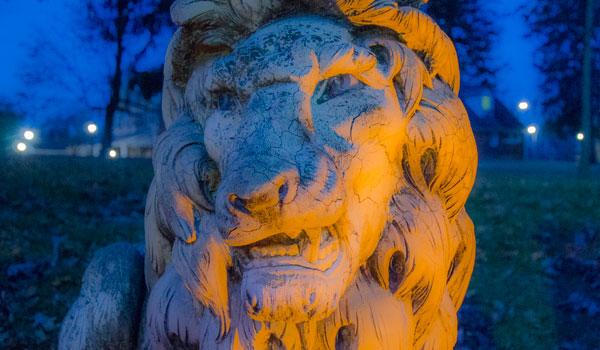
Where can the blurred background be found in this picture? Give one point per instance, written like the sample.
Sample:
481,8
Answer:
80,92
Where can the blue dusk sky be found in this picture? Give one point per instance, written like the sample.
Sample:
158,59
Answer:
22,21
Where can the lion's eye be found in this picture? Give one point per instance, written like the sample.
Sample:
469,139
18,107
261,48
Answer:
223,100
335,86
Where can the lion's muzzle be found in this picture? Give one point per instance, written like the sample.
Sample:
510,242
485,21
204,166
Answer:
275,180
278,204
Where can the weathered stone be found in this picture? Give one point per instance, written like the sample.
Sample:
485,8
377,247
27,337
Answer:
309,190
106,315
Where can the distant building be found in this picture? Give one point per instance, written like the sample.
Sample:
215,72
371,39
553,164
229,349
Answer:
138,122
135,131
498,132
135,128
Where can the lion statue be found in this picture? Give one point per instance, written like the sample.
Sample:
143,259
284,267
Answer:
309,188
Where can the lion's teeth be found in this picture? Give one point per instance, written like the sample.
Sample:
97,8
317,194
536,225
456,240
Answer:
255,252
312,244
271,251
274,251
314,235
292,250
280,251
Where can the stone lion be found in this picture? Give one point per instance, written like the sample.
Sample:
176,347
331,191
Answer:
309,189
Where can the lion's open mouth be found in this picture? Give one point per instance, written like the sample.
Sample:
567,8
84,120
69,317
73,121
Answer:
308,248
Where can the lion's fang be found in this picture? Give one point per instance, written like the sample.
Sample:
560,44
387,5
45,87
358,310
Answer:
314,238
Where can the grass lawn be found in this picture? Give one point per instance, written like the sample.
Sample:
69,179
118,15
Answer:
536,284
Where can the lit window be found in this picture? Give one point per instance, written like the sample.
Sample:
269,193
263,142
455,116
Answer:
486,103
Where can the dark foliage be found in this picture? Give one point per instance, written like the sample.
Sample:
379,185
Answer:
9,124
149,82
116,22
469,24
559,57
83,70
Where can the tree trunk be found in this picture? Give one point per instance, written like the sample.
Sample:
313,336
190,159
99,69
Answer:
586,96
116,80
113,104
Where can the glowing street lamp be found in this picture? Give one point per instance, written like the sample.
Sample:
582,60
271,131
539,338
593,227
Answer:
91,128
112,154
530,142
580,136
28,135
523,106
21,147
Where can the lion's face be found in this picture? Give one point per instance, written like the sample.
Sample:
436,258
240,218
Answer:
309,190
304,124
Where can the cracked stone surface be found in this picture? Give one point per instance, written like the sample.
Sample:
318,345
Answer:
309,189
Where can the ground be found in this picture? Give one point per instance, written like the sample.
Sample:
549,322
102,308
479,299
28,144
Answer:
536,283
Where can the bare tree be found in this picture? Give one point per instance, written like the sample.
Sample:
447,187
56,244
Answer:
473,32
83,68
115,22
568,57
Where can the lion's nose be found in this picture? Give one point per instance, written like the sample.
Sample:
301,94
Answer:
273,193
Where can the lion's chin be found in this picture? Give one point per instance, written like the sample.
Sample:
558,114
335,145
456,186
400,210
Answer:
294,293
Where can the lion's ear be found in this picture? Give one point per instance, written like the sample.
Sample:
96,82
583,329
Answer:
402,66
410,81
441,150
419,31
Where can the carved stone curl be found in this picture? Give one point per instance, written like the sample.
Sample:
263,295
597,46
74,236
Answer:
309,189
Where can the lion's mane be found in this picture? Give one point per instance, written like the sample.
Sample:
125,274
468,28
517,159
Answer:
421,267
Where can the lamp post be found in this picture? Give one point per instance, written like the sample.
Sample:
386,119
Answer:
28,135
523,106
586,89
91,128
21,147
532,131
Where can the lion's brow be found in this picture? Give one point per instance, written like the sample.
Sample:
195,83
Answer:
352,59
345,59
332,60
